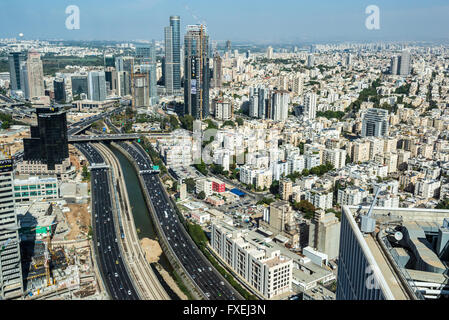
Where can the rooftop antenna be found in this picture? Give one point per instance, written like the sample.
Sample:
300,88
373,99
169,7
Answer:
368,223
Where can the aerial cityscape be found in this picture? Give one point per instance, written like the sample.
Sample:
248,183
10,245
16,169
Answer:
186,166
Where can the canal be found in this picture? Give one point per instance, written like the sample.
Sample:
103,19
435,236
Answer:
142,218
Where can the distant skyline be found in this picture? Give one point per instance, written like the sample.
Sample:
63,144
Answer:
262,21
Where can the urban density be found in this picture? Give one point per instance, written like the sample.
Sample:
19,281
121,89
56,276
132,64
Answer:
193,168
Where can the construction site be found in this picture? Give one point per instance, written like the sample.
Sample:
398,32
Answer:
58,271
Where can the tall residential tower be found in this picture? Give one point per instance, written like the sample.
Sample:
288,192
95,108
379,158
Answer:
196,72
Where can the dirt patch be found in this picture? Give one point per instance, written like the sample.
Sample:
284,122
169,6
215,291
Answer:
79,221
152,249
171,283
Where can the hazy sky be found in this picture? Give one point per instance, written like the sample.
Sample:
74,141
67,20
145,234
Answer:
237,20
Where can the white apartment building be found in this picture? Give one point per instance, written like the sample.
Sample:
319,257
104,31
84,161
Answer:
351,196
296,163
204,185
337,157
427,188
259,264
310,105
312,160
320,198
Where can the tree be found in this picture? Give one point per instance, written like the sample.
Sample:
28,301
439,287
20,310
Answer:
190,184
85,174
187,122
239,121
201,168
202,195
266,201
216,168
173,122
306,207
211,124
228,123
274,188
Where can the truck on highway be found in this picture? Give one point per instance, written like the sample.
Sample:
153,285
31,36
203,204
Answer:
166,214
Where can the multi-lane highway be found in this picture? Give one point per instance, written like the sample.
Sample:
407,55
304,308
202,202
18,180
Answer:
114,273
79,126
211,283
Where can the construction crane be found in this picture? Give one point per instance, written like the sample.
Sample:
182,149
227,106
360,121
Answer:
47,255
368,223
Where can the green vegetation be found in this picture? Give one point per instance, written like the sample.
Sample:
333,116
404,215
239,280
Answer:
443,204
85,174
266,201
228,123
211,124
190,184
405,89
370,94
306,207
216,168
202,195
153,155
52,64
181,285
319,171
331,114
7,121
239,121
202,168
274,188
187,122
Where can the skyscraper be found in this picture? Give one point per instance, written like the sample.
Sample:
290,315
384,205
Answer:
109,60
16,62
59,90
97,85
124,67
196,72
280,101
146,55
404,66
270,52
35,76
11,283
375,123
394,65
262,98
392,254
254,105
310,105
172,74
48,143
310,61
218,71
141,91
79,85
228,46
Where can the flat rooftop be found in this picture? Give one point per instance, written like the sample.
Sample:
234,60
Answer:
416,226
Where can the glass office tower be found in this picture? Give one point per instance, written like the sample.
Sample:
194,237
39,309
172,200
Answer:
48,143
172,74
146,55
196,72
